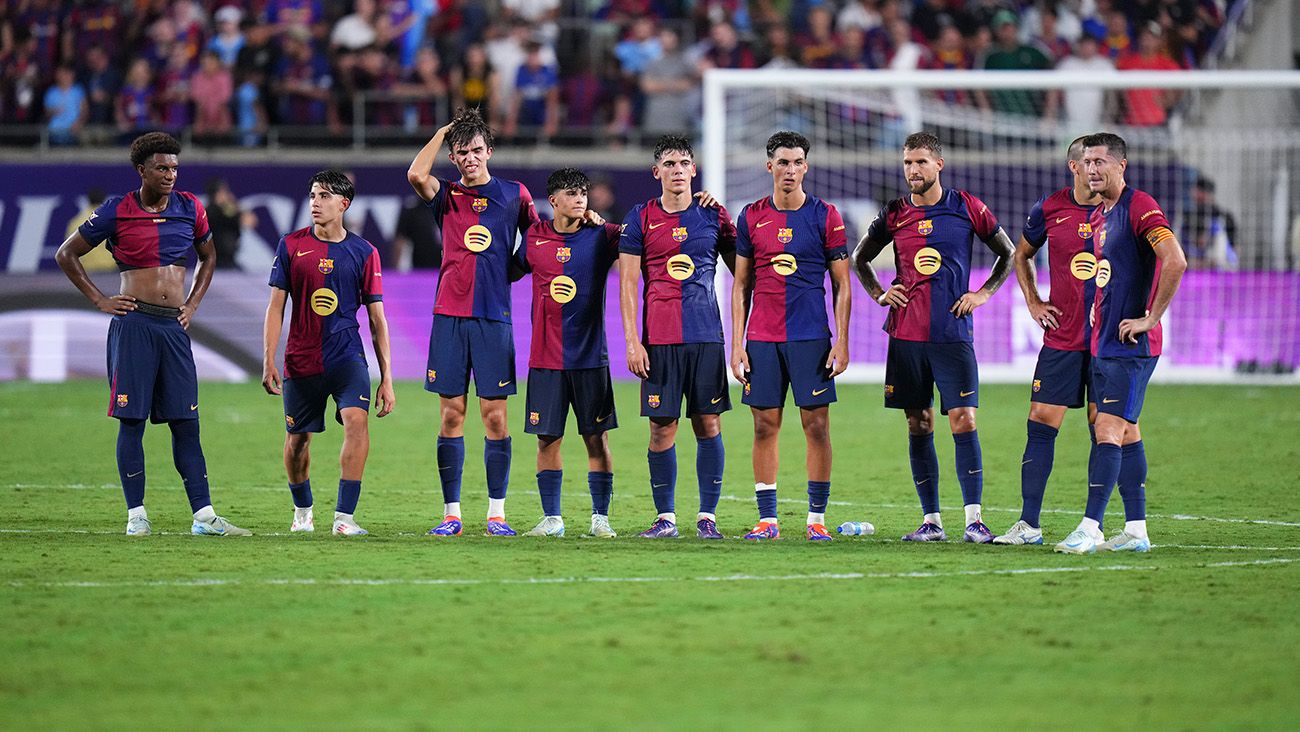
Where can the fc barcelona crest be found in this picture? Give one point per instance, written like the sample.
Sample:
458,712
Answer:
925,227
889,390
652,400
479,205
288,420
325,266
563,254
534,417
433,376
747,389
784,235
1085,230
121,400
1038,384
679,233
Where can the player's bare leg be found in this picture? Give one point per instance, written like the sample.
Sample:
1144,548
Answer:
925,473
600,481
496,462
297,464
451,410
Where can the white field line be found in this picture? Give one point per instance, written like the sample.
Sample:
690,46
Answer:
433,492
442,582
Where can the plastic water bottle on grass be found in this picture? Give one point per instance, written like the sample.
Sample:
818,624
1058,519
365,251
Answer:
855,528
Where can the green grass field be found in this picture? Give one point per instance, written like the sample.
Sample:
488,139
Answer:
398,630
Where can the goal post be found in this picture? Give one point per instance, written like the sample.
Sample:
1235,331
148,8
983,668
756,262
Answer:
1225,167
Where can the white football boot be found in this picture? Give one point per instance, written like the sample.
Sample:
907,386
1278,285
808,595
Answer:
1020,533
1078,542
1125,542
548,526
303,520
346,526
138,526
218,526
600,528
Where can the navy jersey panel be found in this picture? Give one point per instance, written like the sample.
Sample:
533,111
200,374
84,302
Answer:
139,238
569,272
1061,378
1127,272
151,370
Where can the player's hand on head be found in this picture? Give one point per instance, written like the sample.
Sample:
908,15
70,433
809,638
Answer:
1045,314
386,399
116,304
740,365
271,379
706,199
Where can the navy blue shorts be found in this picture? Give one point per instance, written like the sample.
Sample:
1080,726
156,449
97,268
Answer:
151,369
799,365
305,397
552,391
458,346
1119,385
914,368
1062,378
697,371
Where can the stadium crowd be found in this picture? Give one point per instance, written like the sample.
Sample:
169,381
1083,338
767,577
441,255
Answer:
227,70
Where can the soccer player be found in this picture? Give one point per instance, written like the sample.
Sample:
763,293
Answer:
569,363
329,272
1062,222
930,323
1139,268
785,245
151,373
480,217
674,243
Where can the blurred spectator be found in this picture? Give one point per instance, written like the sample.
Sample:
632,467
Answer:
227,221
101,80
211,89
670,87
1117,40
860,14
21,81
229,39
639,47
602,200
584,97
65,107
507,53
473,82
162,40
289,15
1148,107
250,112
99,259
1084,106
880,41
777,53
427,89
416,245
932,16
536,103
173,90
949,54
540,15
43,21
1068,25
1047,38
724,50
94,25
852,53
1211,230
402,23
376,74
908,56
304,82
191,24
136,100
819,49
1009,54
356,31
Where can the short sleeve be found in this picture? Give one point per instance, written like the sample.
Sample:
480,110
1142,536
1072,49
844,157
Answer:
438,204
372,279
519,266
632,239
202,231
527,211
744,247
1036,225
836,240
982,219
878,231
1147,219
726,232
102,223
280,267
613,232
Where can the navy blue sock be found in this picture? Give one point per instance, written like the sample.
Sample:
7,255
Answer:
187,455
925,470
766,504
451,465
1103,472
549,483
130,460
663,478
1035,467
349,492
709,459
970,466
496,462
1133,481
819,494
301,493
601,485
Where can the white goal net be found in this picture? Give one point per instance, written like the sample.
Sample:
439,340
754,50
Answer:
1224,165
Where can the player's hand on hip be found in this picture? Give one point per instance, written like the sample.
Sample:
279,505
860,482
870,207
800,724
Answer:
706,199
1131,328
187,313
838,359
740,364
116,305
385,398
967,303
638,360
894,297
271,379
1045,314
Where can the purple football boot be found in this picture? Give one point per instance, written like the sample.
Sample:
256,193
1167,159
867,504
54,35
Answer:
661,529
707,529
928,532
497,526
978,533
450,526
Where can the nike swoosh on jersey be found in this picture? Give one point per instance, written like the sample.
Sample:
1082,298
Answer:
761,224
303,254
457,193
656,226
1064,218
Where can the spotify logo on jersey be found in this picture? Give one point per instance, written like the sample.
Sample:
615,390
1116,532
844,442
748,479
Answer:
1083,266
680,266
324,301
785,264
477,238
563,289
927,260
1103,272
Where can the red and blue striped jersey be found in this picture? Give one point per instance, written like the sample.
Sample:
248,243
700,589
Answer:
1066,227
1127,272
679,255
328,282
139,238
480,227
569,275
932,255
792,251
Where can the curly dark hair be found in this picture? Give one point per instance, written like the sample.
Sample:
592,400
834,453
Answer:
787,139
1113,143
673,143
153,143
335,182
467,124
566,178
924,141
